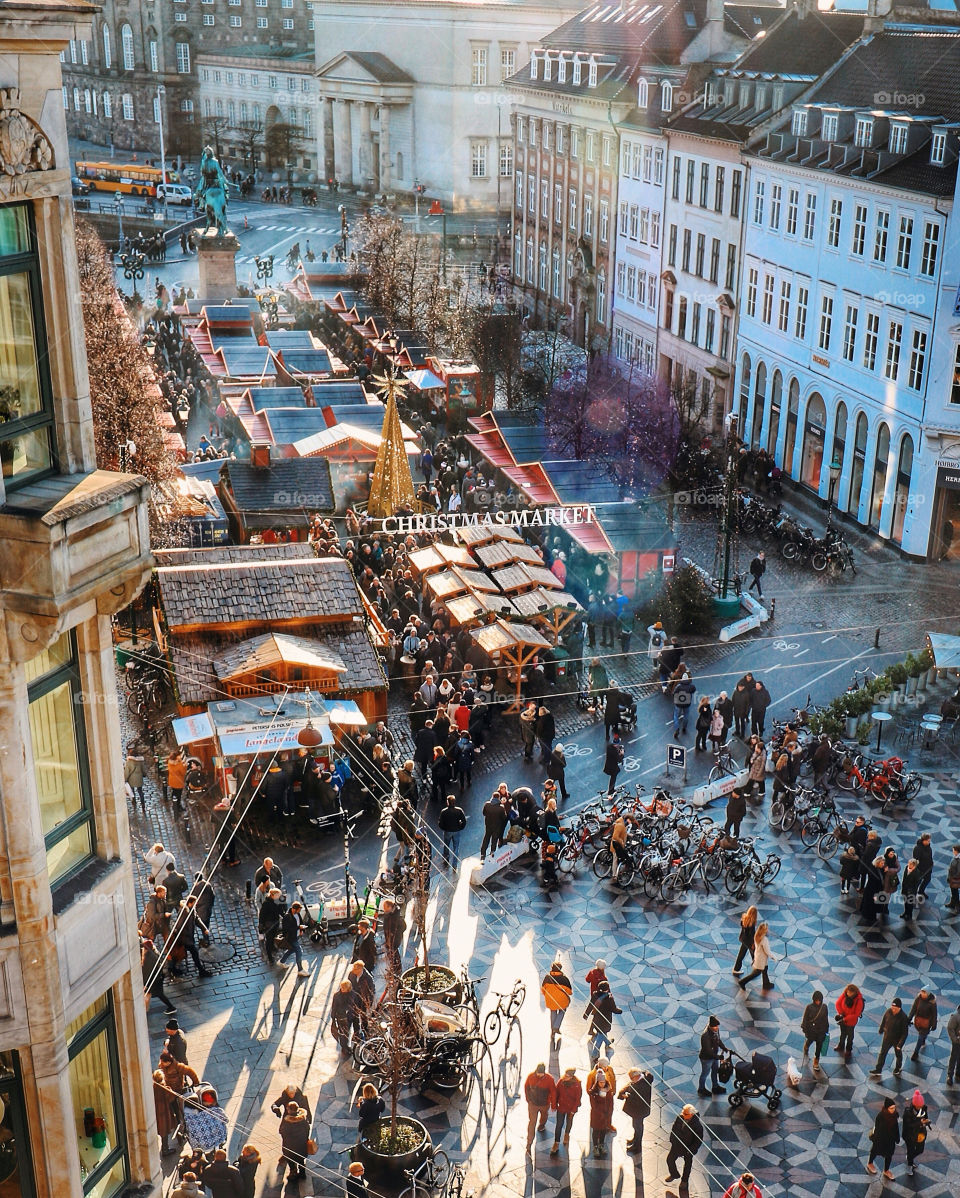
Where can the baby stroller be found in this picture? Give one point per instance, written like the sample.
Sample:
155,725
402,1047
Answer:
587,701
754,1078
204,1119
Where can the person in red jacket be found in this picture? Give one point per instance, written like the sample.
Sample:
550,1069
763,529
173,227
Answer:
849,1009
595,976
540,1090
566,1102
745,1187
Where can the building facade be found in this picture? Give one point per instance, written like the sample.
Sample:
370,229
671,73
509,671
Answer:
416,95
848,337
77,1107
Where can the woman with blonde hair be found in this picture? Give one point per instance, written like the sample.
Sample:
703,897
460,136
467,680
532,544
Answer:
761,959
748,927
370,1106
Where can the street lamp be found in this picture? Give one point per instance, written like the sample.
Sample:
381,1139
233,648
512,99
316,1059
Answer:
344,231
264,267
161,93
132,263
835,467
118,200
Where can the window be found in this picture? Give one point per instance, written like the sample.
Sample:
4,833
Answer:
655,229
574,143
478,66
695,324
287,22
542,267
799,126
107,105
735,194
648,164
643,94
880,236
658,168
710,330
557,277
800,321
938,149
850,318
478,160
783,316
236,22
898,139
183,58
904,242
652,291
666,96
701,254
508,63
668,308
725,337
675,180
591,146
531,194
530,262
931,242
126,46
682,305
66,97
793,204
561,139
810,217
604,219
587,222
863,134
84,54
718,189
520,189
672,246
634,221
601,295
577,70
621,277
918,359
572,209
107,49
156,110
631,282
644,226
955,387
715,260
244,111
127,103
685,258
547,136
592,82
859,230
731,276
752,277
232,113
767,314
76,99
776,194
558,202
758,203
518,256
88,105
833,226
891,367
704,183
544,197
870,339
506,160
262,23
828,129
272,82
180,18
94,1075
691,177
209,18
58,748
826,322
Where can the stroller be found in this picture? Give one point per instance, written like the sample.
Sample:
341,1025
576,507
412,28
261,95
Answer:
753,1078
204,1119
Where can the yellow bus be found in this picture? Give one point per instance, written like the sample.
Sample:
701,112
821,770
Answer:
135,178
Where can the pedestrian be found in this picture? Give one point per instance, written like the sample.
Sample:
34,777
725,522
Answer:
611,712
923,1016
686,1136
294,1134
494,820
923,855
268,923
248,1162
870,850
758,568
636,1097
133,776
464,761
566,1102
849,1008
556,770
370,1106
290,927
539,1090
821,761
761,959
189,1186
175,1042
711,1049
600,1011
269,870
151,971
166,1123
600,1094
365,945
910,887
451,821
715,732
872,890
893,1029
915,1124
953,880
183,937
595,976
849,868
744,1187
557,991
175,883
953,1031
815,1025
748,929
356,1186
741,709
157,859
546,730
670,657
757,769
724,705
612,761
176,1078
682,699
702,725
394,925
222,1179
343,1014
736,811
884,1138
176,775
759,702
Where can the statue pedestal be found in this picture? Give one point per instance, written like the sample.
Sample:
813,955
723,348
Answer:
217,259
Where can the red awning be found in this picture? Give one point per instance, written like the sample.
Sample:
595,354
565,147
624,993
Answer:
590,537
482,424
492,446
533,482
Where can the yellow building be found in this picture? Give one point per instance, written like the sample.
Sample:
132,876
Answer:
76,1110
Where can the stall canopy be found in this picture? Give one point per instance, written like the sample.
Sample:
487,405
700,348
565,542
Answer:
270,723
192,728
945,649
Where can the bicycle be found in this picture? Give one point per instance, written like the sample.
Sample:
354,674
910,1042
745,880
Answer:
861,678
761,872
723,765
430,1177
493,1020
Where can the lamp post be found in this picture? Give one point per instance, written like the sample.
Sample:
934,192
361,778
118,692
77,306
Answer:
437,209
835,467
161,94
118,200
264,265
344,231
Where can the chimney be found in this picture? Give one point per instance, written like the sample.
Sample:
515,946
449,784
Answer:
260,455
877,12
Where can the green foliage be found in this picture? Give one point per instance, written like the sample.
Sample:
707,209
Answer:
829,722
864,731
897,673
687,603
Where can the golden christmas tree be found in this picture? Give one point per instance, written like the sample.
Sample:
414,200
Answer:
392,486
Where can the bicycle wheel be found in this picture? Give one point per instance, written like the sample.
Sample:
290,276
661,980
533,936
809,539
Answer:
603,863
567,861
516,1001
735,878
492,1027
672,885
440,1168
716,773
770,868
819,561
789,819
777,810
810,832
912,785
625,874
467,1015
828,846
790,550
847,781
372,1054
713,865
135,703
651,883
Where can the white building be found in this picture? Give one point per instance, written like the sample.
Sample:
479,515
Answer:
848,340
414,93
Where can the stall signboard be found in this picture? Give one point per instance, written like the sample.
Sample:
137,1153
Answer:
249,739
529,517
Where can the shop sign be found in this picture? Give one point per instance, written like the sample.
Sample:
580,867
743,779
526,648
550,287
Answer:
948,477
519,518
669,561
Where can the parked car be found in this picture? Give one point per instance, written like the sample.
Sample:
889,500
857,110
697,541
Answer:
176,193
80,186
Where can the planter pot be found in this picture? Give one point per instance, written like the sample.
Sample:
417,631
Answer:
380,1161
932,676
885,703
850,726
912,685
444,985
922,683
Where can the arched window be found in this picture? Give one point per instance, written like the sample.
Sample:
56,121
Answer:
107,48
666,96
814,438
643,94
839,436
126,45
790,439
879,475
745,372
902,492
759,402
859,462
773,429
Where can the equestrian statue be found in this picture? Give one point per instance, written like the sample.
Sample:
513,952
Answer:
212,192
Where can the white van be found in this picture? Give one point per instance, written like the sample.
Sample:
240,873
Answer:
176,193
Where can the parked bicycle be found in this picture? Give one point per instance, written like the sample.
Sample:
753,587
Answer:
430,1177
507,1008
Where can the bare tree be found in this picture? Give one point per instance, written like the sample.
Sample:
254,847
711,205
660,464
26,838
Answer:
214,128
281,144
251,139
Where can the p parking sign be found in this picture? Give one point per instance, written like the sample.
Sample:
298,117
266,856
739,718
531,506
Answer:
677,758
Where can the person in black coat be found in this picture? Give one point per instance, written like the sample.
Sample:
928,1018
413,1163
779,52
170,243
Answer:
636,1097
423,745
441,775
556,769
724,705
222,1179
915,1124
922,854
394,925
612,761
736,810
740,702
894,1027
686,1136
546,731
711,1049
759,702
600,1011
494,823
885,1137
611,712
343,1014
815,1025
365,945
248,1162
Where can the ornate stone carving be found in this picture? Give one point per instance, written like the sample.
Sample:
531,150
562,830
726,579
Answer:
24,147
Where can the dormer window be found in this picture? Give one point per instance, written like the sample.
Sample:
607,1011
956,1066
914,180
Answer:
778,96
938,148
643,94
898,139
592,73
547,68
761,97
829,126
577,67
744,95
863,134
561,69
534,66
729,91
666,96
799,126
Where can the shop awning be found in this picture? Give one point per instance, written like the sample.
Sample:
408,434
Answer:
945,649
425,380
491,446
191,728
533,482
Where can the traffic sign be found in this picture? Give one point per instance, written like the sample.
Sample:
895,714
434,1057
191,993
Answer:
677,757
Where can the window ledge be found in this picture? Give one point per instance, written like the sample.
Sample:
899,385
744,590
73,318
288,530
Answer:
82,882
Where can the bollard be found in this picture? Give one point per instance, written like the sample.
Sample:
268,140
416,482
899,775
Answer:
249,889
187,834
876,639
773,608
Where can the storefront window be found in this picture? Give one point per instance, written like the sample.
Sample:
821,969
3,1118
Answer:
839,435
902,493
744,395
793,414
60,758
96,1096
25,419
859,460
814,434
16,1174
773,430
759,399
879,475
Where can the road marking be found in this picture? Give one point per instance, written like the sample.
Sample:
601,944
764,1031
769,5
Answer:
828,638
801,653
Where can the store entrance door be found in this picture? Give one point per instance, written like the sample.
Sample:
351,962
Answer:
945,529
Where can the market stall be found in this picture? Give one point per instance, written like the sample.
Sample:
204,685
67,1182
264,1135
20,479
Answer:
511,646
